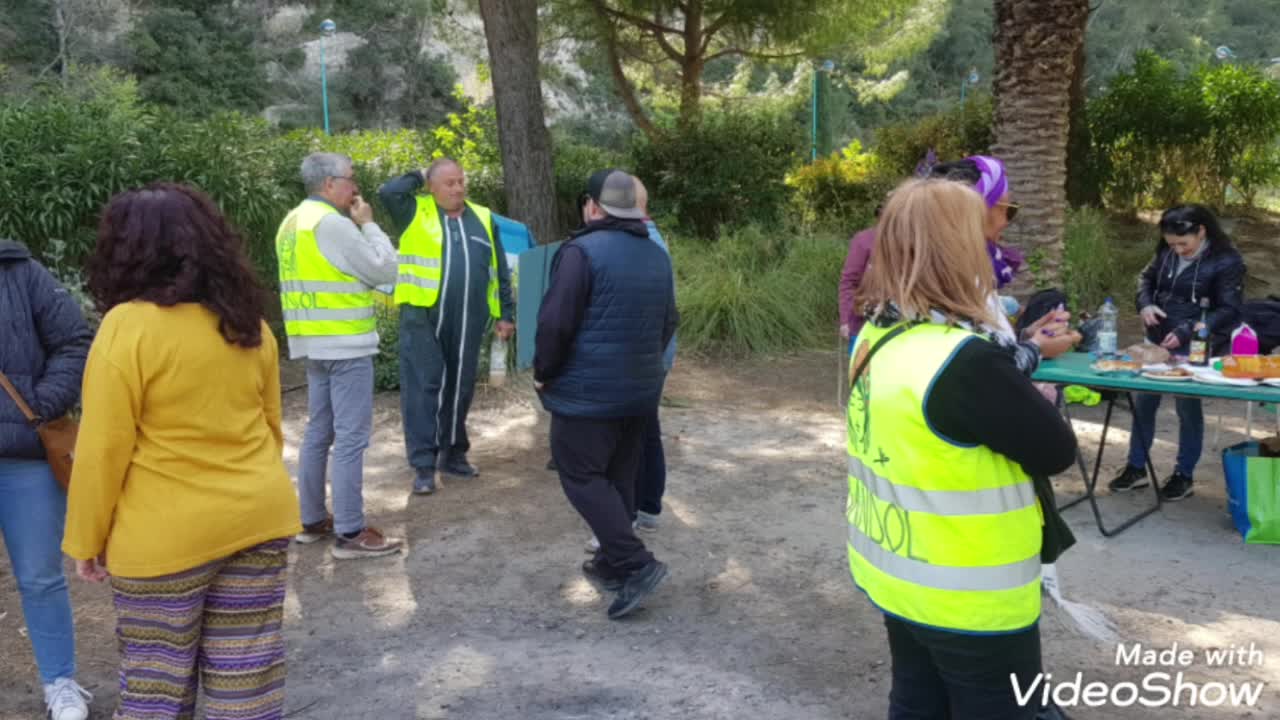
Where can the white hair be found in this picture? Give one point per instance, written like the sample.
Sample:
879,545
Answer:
318,167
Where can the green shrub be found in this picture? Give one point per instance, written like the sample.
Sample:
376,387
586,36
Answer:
840,192
1161,138
729,169
757,289
386,364
574,163
954,134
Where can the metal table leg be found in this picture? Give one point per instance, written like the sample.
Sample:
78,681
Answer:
1091,481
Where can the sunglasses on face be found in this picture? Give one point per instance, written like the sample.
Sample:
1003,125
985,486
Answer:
1178,227
1010,210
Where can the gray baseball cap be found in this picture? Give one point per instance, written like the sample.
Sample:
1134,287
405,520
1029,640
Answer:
615,192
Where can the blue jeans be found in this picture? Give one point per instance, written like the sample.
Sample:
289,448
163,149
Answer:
1190,432
340,416
32,511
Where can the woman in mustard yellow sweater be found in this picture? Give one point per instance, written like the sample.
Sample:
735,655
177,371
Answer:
180,491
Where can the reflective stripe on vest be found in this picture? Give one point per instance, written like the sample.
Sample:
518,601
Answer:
991,501
940,533
316,298
422,249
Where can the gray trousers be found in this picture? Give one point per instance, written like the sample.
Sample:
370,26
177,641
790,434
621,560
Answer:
340,416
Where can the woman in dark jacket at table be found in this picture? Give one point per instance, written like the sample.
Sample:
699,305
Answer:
1194,260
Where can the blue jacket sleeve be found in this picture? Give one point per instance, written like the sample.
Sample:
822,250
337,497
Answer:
65,338
400,198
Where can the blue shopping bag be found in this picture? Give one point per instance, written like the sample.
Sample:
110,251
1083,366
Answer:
1253,493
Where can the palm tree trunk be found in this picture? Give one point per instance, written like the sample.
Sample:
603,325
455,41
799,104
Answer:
1036,45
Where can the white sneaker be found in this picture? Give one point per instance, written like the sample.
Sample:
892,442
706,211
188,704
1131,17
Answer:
593,544
66,700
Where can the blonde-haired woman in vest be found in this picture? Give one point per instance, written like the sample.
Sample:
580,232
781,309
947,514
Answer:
944,526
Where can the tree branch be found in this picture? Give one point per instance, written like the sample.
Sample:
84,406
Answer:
754,55
636,20
620,81
716,26
667,47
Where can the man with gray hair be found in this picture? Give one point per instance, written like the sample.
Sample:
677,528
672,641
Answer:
453,280
332,256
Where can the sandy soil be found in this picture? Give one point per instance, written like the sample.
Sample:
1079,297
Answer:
487,615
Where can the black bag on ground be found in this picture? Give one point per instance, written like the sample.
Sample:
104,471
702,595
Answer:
1264,317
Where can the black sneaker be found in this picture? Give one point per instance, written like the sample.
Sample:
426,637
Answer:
595,574
458,466
424,481
1177,487
1131,479
638,586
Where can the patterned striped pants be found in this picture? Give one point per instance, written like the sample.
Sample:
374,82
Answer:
218,626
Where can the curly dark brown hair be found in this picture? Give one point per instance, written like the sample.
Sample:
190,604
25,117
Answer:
169,244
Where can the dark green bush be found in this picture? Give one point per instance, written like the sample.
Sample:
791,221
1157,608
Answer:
965,130
729,169
1161,138
574,163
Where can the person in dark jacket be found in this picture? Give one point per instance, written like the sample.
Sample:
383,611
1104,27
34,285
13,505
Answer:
43,345
598,366
1194,259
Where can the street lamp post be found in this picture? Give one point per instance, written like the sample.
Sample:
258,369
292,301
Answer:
826,67
327,29
970,80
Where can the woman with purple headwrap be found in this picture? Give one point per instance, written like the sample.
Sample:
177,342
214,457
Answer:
1046,337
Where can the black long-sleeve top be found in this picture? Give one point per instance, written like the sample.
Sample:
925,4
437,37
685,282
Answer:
981,397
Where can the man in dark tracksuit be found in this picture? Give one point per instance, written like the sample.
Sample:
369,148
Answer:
602,328
453,279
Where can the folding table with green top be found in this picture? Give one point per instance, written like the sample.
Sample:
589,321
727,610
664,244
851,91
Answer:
1074,369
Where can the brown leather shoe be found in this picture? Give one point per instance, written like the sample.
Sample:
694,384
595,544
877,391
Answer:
315,532
370,543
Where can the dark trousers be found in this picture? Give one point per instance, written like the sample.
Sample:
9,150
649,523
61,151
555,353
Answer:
653,473
438,364
599,460
940,675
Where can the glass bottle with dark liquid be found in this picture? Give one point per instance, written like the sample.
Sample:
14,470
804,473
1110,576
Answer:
1200,340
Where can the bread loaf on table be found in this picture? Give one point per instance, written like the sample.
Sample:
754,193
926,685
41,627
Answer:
1251,366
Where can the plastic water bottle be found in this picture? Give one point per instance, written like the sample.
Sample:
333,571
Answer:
497,362
1107,329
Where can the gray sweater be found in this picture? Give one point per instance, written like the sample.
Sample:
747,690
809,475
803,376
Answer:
365,253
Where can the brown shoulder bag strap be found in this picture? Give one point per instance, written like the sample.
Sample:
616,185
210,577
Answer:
17,399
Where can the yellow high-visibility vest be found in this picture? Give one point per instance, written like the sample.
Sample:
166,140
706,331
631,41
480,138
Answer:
317,298
421,252
940,533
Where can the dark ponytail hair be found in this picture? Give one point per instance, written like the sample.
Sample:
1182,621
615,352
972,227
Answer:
965,171
1187,220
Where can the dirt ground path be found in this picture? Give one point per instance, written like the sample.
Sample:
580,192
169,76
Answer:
487,616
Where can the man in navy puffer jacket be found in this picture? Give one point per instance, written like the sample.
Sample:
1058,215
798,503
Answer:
43,345
604,323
